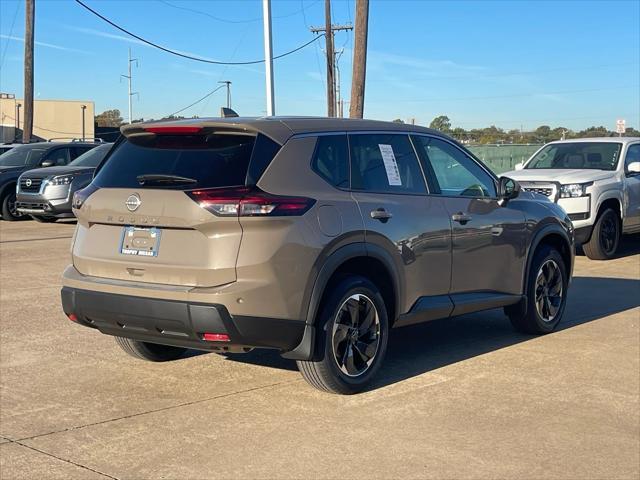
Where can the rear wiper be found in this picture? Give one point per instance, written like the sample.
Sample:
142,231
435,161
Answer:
159,179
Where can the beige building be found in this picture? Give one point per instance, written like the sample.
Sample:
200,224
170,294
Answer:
66,119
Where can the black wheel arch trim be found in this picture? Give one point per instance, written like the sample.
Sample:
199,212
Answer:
305,350
537,237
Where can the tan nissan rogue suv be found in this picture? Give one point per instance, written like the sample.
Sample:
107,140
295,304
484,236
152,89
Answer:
312,236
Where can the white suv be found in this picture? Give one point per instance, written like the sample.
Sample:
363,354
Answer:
597,182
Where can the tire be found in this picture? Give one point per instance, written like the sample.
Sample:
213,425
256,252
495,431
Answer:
348,357
605,237
9,212
41,219
152,352
537,315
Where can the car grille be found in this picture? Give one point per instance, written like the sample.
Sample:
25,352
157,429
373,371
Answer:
541,190
34,186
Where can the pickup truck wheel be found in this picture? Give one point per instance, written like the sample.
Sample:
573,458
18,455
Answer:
605,237
41,219
9,211
546,294
352,330
152,352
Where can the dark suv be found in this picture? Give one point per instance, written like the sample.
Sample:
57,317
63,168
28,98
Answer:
311,236
46,193
30,156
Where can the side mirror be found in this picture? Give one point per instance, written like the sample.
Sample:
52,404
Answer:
508,189
519,166
633,168
47,163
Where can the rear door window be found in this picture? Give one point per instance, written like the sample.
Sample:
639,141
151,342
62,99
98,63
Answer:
331,160
212,161
385,163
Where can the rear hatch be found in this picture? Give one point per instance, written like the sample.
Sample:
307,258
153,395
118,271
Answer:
142,220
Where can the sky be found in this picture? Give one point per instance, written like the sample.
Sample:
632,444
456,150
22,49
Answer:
513,64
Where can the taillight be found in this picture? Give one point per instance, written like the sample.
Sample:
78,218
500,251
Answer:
249,202
81,196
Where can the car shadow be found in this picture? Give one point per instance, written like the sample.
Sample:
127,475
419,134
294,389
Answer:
418,349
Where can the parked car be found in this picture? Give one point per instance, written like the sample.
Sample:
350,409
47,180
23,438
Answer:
5,147
46,193
597,181
311,236
30,156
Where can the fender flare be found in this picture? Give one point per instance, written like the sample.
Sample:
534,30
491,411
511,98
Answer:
610,195
537,238
7,186
305,349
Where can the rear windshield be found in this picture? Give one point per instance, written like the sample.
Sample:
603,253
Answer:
577,155
208,161
92,157
20,156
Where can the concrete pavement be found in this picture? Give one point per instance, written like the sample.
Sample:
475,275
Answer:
463,398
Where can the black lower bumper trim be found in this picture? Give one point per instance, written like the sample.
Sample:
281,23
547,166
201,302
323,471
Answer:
177,323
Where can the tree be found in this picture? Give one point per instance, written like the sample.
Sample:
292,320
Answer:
398,120
631,132
109,118
441,123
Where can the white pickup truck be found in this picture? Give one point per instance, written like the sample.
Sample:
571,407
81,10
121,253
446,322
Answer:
596,181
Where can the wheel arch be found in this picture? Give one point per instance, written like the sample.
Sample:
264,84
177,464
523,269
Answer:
555,236
360,258
11,184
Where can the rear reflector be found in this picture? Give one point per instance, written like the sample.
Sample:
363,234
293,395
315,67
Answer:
179,130
249,202
216,337
72,317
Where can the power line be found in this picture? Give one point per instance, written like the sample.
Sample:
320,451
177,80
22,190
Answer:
6,45
183,55
197,101
224,20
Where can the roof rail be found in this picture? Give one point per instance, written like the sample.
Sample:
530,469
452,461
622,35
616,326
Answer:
76,140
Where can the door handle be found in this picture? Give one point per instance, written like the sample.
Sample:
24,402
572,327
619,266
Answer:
461,218
380,214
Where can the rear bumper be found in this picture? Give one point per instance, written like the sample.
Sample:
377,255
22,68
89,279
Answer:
177,323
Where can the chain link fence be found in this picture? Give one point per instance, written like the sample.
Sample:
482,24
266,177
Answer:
502,158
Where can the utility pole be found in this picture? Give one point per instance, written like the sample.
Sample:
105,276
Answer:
228,84
30,10
356,109
329,31
268,57
129,78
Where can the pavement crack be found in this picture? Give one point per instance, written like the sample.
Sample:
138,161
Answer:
79,465
163,409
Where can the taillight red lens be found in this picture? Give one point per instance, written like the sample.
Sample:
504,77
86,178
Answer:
179,130
216,337
249,202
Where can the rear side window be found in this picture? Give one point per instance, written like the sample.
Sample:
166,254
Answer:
385,163
211,160
331,160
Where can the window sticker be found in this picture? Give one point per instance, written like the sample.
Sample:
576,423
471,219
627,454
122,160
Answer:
390,164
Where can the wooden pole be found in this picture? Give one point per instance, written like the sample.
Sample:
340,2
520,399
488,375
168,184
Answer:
331,83
27,128
356,108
